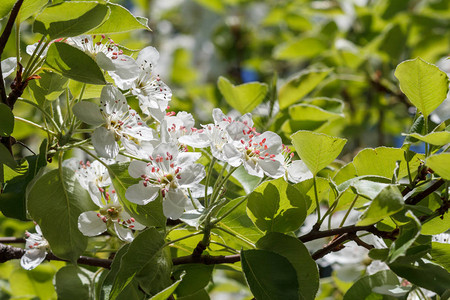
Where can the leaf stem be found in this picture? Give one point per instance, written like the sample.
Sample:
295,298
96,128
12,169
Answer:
43,112
35,125
208,179
348,211
316,197
182,238
214,222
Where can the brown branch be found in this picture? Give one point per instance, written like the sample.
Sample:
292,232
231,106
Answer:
315,234
12,240
10,252
360,242
334,245
4,39
422,195
207,259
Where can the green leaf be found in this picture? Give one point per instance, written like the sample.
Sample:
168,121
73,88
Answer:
439,163
245,97
300,48
13,198
388,202
362,288
423,83
48,88
73,63
317,150
276,206
408,234
6,158
7,123
150,214
298,255
427,275
307,111
67,19
270,276
73,283
55,202
382,161
28,8
440,254
165,294
120,20
37,282
196,277
299,86
155,275
239,224
147,245
439,138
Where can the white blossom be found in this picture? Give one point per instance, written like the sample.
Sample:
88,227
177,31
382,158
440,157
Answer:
108,56
110,214
170,173
119,123
153,94
35,250
8,66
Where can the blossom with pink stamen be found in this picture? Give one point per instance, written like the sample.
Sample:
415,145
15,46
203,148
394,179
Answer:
119,123
110,214
169,173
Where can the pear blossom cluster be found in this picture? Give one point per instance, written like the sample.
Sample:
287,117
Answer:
163,148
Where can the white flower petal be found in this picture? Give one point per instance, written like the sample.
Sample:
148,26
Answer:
147,58
8,66
271,168
140,194
298,172
137,168
88,112
32,258
104,62
113,101
191,174
174,204
105,143
123,233
90,224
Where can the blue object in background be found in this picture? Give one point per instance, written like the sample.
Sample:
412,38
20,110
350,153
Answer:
249,75
418,147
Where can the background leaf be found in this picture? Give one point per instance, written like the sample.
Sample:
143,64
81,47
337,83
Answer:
245,97
439,163
424,84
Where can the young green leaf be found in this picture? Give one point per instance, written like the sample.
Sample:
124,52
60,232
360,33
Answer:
276,206
68,19
386,203
55,202
408,234
439,138
120,20
245,97
440,163
299,86
423,83
317,150
73,63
